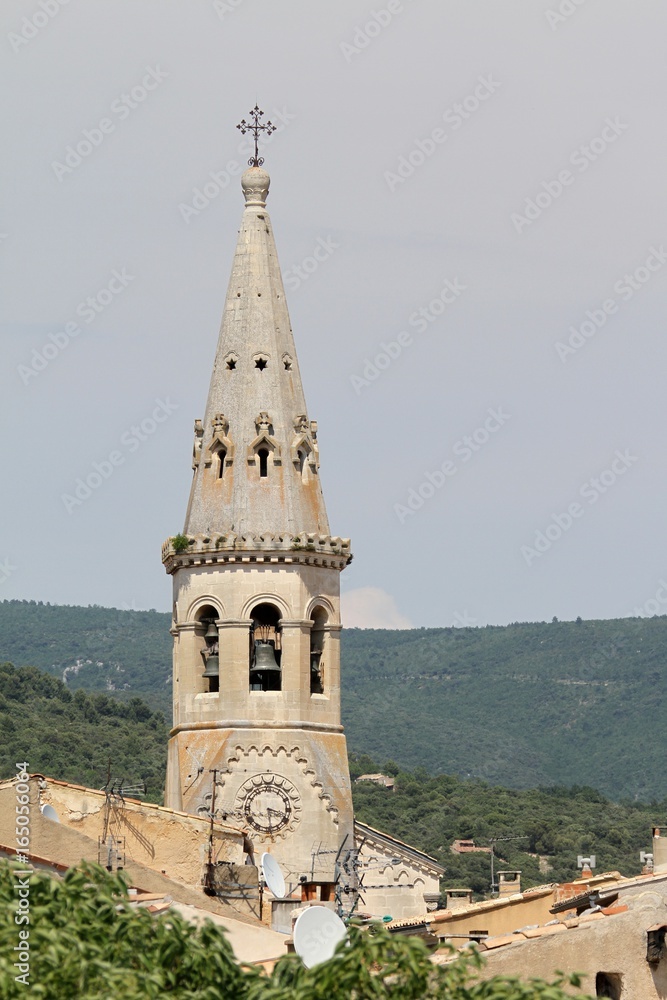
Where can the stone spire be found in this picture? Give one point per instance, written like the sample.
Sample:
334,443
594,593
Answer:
255,453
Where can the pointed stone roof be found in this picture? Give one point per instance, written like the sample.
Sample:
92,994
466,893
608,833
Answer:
255,455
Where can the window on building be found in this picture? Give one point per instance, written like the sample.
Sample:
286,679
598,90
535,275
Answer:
263,455
222,455
609,984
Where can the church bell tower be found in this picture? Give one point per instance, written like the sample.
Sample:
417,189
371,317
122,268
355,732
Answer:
256,588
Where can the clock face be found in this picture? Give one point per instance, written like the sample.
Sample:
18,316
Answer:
269,803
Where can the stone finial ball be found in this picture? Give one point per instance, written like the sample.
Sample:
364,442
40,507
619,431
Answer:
255,183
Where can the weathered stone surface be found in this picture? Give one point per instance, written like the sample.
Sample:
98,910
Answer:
256,401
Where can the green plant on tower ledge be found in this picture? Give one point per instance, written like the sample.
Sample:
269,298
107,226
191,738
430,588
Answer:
180,543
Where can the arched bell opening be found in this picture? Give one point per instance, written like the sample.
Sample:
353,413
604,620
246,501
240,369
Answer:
207,632
265,648
319,618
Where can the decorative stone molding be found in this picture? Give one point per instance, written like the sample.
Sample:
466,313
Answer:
288,753
309,549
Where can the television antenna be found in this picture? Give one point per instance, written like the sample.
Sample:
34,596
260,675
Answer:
317,933
497,840
349,873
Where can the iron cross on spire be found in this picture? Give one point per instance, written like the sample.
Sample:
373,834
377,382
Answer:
256,128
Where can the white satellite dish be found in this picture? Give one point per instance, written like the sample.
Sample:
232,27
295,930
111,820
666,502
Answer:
273,876
317,932
50,813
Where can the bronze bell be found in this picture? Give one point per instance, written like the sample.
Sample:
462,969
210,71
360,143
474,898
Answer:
212,668
211,634
265,671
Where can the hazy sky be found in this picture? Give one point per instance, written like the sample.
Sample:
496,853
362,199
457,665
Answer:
481,339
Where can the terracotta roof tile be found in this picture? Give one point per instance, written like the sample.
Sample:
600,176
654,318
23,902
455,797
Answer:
499,942
545,931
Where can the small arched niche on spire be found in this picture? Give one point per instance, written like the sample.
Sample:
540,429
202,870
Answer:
264,451
220,452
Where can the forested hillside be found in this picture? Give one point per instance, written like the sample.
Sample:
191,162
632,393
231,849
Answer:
539,832
124,653
520,705
75,737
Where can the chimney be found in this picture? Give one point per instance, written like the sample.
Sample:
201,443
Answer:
508,883
457,899
659,849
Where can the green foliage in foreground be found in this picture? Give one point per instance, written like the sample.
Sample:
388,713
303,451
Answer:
87,942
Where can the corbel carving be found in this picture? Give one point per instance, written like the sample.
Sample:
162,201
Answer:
196,448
